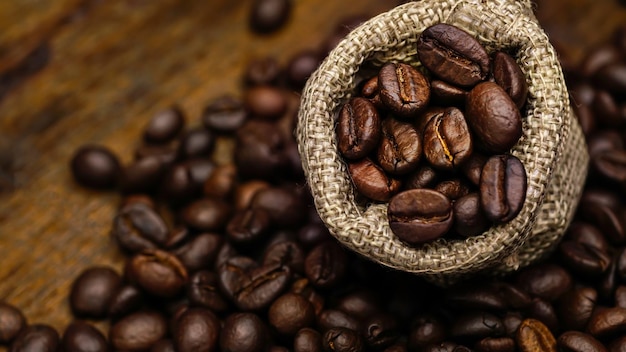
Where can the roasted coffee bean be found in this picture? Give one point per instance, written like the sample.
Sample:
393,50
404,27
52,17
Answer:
419,215
164,126
245,192
267,16
361,304
226,113
12,321
358,128
301,66
333,318
575,341
262,71
371,91
342,340
400,147
453,55
608,220
606,110
284,206
603,141
177,237
249,286
513,295
424,177
200,252
493,117
380,331
138,331
610,165
265,102
286,253
82,337
307,340
243,332
587,234
371,180
612,77
198,142
598,58
502,188
425,330
476,297
443,93
203,291
545,280
207,214
447,140
469,219
544,312
495,344
92,292
95,167
509,76
248,226
453,189
184,181
167,154
143,175
313,234
607,322
197,329
583,259
139,227
325,265
127,300
158,272
534,336
512,322
476,326
403,89
290,313
576,306
166,345
260,150
473,167
36,337
221,182
305,289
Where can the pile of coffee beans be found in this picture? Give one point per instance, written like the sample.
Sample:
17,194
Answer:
231,256
435,147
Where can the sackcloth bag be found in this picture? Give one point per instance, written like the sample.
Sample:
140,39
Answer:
552,147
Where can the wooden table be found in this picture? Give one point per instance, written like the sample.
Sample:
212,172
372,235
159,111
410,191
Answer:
94,71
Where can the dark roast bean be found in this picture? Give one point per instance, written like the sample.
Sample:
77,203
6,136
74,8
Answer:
514,296
203,291
167,154
424,177
425,330
610,165
512,322
243,332
473,167
361,304
93,290
142,175
587,234
307,340
576,341
200,252
166,345
269,15
158,272
371,180
469,219
127,300
608,220
502,188
259,150
476,325
509,76
284,206
453,189
138,331
224,114
164,126
453,55
576,306
544,312
325,265
358,128
221,182
245,192
545,280
419,215
533,336
290,313
613,78
184,181
606,110
443,93
495,344
248,226
493,117
313,234
447,140
476,297
198,142
36,337
371,92
262,71
603,141
286,253
607,322
403,89
333,318
583,259
95,166
197,329
342,340
400,147
82,337
305,289
598,58
301,66
207,214
139,227
12,321
380,331
265,102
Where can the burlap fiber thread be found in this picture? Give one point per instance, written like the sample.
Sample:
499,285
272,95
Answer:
552,147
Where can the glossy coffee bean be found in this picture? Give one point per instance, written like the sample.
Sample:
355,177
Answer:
447,140
245,192
400,147
164,126
358,128
326,264
198,142
243,332
380,331
576,306
138,331
307,340
583,259
469,219
207,214
224,114
509,76
445,94
545,280
425,330
290,313
453,189
360,304
476,297
82,337
259,150
221,182
248,226
265,102
576,341
333,318
342,340
502,187
262,71
419,215
495,344
143,175
92,292
12,321
585,233
267,16
158,272
284,206
608,322
424,177
301,66
607,220
493,117
371,91
543,311
36,337
183,181
197,329
476,325
203,291
473,167
610,165
613,77
453,55
606,110
535,336
127,300
287,252
95,166
370,180
139,227
200,252
403,89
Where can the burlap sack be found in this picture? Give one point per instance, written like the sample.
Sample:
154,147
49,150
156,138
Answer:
552,147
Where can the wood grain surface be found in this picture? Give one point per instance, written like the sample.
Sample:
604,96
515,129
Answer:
94,71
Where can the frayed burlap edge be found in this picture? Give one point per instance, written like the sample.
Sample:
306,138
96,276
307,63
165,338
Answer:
551,148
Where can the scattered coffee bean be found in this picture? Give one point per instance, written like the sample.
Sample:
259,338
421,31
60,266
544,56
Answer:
138,331
95,166
197,329
82,337
164,126
243,332
12,321
403,89
36,337
93,291
267,16
289,313
158,272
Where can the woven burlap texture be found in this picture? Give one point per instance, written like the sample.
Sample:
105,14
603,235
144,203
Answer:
552,147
